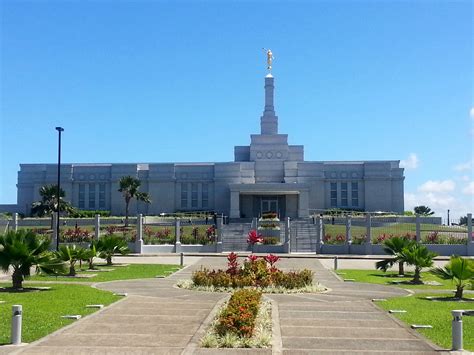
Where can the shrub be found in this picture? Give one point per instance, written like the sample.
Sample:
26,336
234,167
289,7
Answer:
271,240
89,214
76,235
269,215
240,314
254,237
358,239
338,239
255,272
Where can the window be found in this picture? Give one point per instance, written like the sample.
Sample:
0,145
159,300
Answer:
205,195
82,196
184,195
91,196
333,194
101,196
344,202
355,194
194,195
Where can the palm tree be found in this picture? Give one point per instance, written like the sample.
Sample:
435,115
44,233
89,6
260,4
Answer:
110,245
460,270
129,188
21,250
423,211
48,202
394,246
419,256
69,254
89,254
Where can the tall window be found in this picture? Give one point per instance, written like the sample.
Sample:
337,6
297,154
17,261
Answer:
344,202
194,195
82,196
205,195
333,194
101,196
355,194
184,195
91,196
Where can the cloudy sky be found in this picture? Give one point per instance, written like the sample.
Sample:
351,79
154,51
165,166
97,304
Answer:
163,81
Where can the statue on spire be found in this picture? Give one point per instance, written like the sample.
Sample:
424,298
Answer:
269,59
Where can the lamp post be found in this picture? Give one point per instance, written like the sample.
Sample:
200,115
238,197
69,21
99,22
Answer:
59,129
448,218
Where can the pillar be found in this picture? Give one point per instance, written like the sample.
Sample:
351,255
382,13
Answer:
97,227
303,204
286,244
15,221
139,238
418,228
234,204
269,121
469,228
348,229
54,239
319,233
177,226
368,238
219,226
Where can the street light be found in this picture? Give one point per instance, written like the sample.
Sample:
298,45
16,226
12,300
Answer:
59,129
448,217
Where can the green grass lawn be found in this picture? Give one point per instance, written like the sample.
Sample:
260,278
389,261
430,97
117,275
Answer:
42,310
384,278
434,313
132,271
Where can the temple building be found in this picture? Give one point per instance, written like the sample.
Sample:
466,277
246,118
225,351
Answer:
267,175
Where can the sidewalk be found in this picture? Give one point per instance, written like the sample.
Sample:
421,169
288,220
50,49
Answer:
157,318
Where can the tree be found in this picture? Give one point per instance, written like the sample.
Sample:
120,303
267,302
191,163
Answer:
110,245
21,250
129,188
459,270
394,246
48,202
69,254
418,256
423,211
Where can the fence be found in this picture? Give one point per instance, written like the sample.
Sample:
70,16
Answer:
366,234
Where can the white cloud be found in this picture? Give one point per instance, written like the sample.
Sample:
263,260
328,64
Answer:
471,112
410,163
437,186
464,166
469,189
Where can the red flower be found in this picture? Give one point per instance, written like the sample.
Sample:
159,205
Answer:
271,259
252,258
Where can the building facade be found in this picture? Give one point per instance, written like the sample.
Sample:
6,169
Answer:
267,175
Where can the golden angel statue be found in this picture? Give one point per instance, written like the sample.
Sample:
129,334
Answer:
269,58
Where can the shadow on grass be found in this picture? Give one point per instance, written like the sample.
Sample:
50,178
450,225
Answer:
24,289
393,275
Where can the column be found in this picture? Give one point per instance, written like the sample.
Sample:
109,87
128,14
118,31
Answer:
286,245
234,204
220,234
269,121
97,227
348,234
319,233
303,204
177,226
418,229
368,238
139,237
15,221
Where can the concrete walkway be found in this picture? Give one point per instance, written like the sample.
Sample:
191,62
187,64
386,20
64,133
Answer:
157,318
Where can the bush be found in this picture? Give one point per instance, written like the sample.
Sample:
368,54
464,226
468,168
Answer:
89,214
271,240
338,239
239,316
255,272
76,235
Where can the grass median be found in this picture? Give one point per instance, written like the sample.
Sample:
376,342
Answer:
42,310
435,313
113,272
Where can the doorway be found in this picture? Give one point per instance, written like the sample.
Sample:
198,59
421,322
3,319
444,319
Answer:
269,205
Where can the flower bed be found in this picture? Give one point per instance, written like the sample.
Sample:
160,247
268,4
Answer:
257,272
245,321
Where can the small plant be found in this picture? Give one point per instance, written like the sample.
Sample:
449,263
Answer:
110,245
76,235
254,237
69,254
338,239
460,270
232,263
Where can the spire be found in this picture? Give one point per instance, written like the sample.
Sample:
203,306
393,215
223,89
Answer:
269,121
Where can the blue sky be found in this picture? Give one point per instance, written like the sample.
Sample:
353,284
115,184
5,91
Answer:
164,81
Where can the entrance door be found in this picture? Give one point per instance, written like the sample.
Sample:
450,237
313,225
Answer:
269,205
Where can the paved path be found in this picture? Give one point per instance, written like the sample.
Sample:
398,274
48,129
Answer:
157,318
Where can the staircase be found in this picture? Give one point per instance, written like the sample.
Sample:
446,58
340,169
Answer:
303,236
234,237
